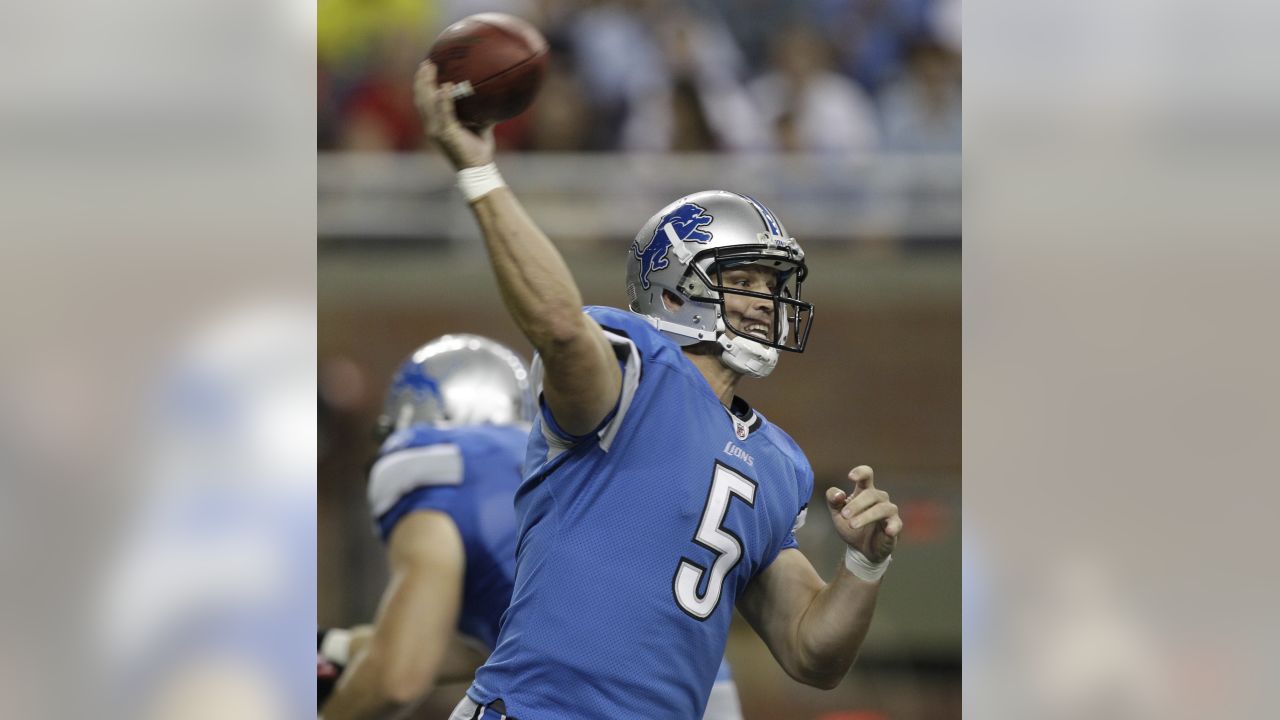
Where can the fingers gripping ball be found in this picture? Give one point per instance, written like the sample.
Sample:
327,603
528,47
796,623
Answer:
496,63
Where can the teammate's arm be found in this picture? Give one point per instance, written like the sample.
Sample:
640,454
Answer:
459,663
415,623
815,629
582,378
360,636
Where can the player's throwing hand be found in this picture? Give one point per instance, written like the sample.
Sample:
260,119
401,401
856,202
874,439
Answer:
465,147
865,519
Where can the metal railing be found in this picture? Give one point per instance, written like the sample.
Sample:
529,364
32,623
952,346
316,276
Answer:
584,197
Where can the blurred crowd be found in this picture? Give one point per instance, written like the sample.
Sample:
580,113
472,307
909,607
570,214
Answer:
845,76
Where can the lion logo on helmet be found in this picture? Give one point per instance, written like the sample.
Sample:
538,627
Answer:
685,223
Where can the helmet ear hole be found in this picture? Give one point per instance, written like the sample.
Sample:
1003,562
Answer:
672,300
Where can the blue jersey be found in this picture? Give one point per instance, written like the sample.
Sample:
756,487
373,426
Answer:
470,474
636,540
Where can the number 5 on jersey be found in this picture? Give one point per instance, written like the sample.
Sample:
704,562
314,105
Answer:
712,535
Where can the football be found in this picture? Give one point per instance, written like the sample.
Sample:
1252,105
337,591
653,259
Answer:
495,61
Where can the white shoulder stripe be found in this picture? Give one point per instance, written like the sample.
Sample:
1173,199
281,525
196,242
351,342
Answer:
555,443
404,471
630,381
804,512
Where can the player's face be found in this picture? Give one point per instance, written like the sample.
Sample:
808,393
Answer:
751,315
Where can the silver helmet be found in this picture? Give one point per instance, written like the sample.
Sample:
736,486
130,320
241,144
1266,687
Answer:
458,380
673,276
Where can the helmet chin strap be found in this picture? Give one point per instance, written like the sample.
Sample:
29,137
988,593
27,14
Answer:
745,356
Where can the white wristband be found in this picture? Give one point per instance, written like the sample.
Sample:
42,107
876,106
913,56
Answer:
337,646
864,569
476,182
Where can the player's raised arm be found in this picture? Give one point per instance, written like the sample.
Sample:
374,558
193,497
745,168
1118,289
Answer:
582,378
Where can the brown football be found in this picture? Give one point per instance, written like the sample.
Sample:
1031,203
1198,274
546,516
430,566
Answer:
495,61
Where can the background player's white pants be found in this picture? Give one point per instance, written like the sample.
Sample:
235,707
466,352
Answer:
465,710
722,704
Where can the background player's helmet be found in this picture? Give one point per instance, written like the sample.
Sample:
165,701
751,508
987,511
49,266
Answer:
679,251
458,380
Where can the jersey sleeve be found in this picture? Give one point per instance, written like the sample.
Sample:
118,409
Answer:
804,490
408,479
630,360
790,540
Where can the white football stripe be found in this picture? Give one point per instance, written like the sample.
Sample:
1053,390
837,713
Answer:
402,472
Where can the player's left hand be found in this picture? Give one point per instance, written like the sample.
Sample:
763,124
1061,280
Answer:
865,519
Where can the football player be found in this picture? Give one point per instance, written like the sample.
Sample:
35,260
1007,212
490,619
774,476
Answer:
455,422
455,426
654,498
